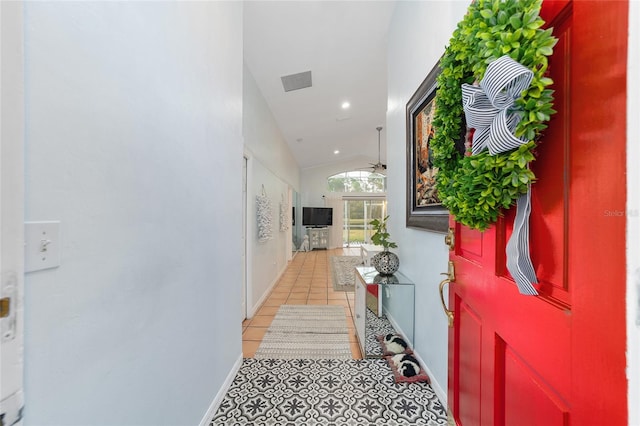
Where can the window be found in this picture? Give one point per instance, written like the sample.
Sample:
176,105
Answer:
357,181
358,213
359,209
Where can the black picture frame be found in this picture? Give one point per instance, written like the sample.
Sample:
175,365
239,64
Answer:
424,210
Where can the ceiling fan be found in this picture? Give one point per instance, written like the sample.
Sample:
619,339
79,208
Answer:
379,167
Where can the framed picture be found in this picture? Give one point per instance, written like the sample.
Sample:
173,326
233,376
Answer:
424,209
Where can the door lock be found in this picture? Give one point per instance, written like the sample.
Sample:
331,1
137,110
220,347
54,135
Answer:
450,239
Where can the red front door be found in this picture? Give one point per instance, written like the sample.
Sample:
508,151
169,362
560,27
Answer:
557,358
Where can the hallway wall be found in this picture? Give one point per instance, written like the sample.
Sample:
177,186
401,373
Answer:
272,165
263,137
418,34
133,142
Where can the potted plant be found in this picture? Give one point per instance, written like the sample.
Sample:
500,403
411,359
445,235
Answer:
385,262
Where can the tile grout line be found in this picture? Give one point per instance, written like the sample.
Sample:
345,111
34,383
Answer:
305,272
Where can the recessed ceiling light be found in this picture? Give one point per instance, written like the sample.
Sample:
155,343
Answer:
336,152
345,105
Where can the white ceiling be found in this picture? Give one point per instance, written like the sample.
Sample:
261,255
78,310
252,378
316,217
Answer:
343,44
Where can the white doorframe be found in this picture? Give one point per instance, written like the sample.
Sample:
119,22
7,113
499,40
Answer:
289,234
11,210
249,232
244,237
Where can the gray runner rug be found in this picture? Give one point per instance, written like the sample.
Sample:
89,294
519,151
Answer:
342,272
307,332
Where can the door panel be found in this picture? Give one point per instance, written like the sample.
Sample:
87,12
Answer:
470,245
538,360
550,195
529,400
489,311
469,355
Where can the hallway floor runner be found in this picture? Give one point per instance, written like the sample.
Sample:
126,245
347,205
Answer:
342,272
307,332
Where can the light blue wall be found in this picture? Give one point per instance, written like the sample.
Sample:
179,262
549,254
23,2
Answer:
271,165
133,141
262,136
418,34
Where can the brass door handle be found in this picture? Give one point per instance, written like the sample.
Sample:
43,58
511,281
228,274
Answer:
451,276
447,311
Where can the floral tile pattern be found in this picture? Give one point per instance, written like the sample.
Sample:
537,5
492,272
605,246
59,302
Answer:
376,326
279,392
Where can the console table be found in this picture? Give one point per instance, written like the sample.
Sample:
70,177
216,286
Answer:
383,305
318,238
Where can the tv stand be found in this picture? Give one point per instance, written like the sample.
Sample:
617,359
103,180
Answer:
318,237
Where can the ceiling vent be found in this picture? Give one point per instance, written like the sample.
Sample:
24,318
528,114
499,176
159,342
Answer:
296,81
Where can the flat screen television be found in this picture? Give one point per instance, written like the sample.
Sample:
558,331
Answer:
317,216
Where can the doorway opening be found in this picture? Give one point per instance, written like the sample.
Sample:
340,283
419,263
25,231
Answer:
358,213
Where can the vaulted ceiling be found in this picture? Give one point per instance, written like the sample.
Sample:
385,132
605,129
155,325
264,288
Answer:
343,44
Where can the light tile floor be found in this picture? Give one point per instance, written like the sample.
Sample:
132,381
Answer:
306,281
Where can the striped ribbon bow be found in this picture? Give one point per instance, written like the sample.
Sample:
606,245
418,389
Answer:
489,110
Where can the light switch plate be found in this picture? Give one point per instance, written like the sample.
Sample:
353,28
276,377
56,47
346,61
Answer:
42,245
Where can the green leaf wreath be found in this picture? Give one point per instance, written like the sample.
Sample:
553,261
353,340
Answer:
476,188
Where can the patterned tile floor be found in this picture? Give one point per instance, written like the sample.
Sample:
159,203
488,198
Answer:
319,392
376,326
325,392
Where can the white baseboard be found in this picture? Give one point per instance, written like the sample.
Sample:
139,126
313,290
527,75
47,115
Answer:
265,295
221,393
437,388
